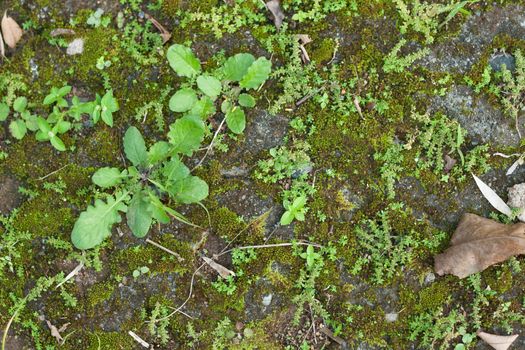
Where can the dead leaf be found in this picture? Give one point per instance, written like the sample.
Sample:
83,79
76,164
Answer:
495,200
449,163
166,35
61,31
479,243
274,6
2,47
55,332
303,40
498,342
11,31
332,336
514,166
221,270
358,107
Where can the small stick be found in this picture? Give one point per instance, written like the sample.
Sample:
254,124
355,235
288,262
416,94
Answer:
139,339
269,246
208,149
180,258
72,274
53,172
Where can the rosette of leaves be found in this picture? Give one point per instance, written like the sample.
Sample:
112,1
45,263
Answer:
227,86
157,175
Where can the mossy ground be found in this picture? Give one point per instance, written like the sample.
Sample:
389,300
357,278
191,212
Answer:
110,301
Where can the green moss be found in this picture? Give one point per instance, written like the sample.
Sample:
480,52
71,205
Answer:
100,292
110,341
36,217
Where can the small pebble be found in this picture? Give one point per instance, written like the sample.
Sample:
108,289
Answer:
267,299
429,278
391,317
76,47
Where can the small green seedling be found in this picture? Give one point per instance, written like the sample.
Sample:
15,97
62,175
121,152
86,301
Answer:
229,84
310,256
62,117
22,121
156,173
104,108
294,210
140,271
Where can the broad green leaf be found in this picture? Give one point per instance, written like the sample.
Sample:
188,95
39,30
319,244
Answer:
183,100
62,126
109,101
191,189
44,126
20,104
63,91
226,106
56,95
41,136
78,108
4,111
138,217
183,61
257,74
135,147
18,129
246,100
186,134
158,152
236,120
57,143
287,218
108,177
174,170
157,209
236,66
94,225
32,122
209,85
299,202
204,108
108,106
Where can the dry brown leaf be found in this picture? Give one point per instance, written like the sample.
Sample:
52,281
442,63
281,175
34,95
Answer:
221,270
274,6
11,31
303,40
479,243
166,35
55,332
449,163
2,47
498,342
332,336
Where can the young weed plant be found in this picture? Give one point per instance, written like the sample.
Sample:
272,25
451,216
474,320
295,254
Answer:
231,83
62,117
156,174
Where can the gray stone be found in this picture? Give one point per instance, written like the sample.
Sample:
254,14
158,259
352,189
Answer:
391,317
517,199
267,299
76,47
483,122
463,51
498,60
429,278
